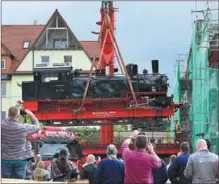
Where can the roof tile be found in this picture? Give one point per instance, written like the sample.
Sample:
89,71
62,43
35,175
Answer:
13,36
91,47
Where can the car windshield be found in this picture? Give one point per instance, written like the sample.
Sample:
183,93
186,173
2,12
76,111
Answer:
48,150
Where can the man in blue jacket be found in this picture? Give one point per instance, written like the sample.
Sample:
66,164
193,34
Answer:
176,169
110,170
160,175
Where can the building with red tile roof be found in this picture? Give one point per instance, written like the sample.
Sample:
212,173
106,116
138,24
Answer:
22,45
13,37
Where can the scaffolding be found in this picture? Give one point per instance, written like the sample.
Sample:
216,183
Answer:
198,87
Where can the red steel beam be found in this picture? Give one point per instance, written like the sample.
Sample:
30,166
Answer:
83,115
106,132
164,149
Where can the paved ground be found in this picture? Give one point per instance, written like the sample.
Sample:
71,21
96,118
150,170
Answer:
30,181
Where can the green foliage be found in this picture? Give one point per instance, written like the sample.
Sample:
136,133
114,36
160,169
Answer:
25,120
120,128
18,105
92,135
86,134
160,125
120,133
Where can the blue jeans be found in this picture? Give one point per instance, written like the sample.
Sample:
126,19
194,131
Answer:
14,169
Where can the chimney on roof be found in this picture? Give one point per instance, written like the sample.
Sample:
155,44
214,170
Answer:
35,22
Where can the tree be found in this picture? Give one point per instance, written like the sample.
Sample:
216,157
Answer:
90,135
120,128
86,134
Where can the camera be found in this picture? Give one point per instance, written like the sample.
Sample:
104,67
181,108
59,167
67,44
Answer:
23,113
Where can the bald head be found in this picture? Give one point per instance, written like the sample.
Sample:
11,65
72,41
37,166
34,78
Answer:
201,144
90,159
38,157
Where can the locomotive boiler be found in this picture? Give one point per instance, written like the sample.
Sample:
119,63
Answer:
71,85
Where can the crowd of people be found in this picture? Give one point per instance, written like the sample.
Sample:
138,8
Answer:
141,165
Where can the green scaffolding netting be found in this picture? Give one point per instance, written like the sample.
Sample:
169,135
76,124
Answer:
204,110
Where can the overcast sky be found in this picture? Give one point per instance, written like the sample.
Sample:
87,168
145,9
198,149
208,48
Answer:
144,30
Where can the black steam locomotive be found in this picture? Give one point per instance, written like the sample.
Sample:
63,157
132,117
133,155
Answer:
71,85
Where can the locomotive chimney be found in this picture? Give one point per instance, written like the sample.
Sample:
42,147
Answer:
155,66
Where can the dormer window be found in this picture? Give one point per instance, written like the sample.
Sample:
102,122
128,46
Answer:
26,44
60,44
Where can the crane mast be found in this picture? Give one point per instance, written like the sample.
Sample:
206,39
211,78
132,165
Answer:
107,58
106,42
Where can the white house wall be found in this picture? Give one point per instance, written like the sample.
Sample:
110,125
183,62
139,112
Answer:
6,100
18,79
13,91
27,63
79,58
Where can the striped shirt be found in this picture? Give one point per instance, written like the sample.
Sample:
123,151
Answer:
14,138
29,152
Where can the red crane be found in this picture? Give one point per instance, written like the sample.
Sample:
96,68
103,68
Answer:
133,106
